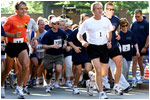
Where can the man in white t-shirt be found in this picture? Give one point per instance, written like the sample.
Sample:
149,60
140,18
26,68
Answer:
98,30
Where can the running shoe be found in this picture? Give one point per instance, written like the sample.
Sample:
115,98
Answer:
19,92
2,92
75,90
134,83
102,95
68,84
56,85
117,90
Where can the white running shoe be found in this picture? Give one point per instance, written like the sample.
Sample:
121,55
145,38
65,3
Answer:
89,88
75,90
48,90
56,85
102,95
68,84
2,92
117,90
20,92
141,81
134,83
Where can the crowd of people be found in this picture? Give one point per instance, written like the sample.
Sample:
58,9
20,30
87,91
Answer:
57,52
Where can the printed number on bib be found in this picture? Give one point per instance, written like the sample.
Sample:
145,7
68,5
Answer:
18,40
58,42
126,48
100,34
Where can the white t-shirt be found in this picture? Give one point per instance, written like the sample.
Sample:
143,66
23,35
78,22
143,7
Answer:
32,25
96,30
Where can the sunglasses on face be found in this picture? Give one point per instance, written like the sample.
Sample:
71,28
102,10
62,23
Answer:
110,9
124,25
55,23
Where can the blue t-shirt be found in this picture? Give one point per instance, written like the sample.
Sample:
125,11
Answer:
68,31
141,31
2,31
51,38
115,22
81,57
127,41
47,27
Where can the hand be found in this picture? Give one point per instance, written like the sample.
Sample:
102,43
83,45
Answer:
85,44
137,54
143,50
114,27
17,34
77,49
109,45
118,37
34,44
64,46
55,46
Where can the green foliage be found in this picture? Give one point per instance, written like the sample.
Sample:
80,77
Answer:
84,6
34,7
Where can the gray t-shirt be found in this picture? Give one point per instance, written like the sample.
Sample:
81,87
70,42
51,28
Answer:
40,52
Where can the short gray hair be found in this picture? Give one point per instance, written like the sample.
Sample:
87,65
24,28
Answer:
95,3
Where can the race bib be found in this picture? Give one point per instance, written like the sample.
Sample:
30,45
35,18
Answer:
100,34
126,48
58,42
18,40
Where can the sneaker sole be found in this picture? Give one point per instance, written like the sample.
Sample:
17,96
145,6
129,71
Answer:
21,98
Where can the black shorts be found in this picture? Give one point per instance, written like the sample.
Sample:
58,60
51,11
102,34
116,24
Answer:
95,51
33,55
113,53
13,49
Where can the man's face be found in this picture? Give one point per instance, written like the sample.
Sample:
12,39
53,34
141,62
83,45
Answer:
55,25
22,10
41,25
110,10
138,17
98,10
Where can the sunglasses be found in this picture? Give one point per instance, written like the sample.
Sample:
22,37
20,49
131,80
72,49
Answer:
124,25
55,23
110,9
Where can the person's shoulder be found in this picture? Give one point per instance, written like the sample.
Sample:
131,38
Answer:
145,21
116,17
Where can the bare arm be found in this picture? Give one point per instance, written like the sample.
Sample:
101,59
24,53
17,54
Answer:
77,49
146,45
83,42
137,50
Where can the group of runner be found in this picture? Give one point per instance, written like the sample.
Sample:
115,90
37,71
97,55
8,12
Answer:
100,44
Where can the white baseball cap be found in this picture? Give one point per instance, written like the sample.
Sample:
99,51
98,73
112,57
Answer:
68,22
54,20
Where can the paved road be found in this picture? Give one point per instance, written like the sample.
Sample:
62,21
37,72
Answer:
38,92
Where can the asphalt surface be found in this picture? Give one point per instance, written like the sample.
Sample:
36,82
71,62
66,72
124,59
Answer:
38,92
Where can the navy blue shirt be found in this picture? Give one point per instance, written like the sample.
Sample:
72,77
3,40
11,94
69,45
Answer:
127,41
141,31
47,27
51,38
69,31
115,22
81,57
2,31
